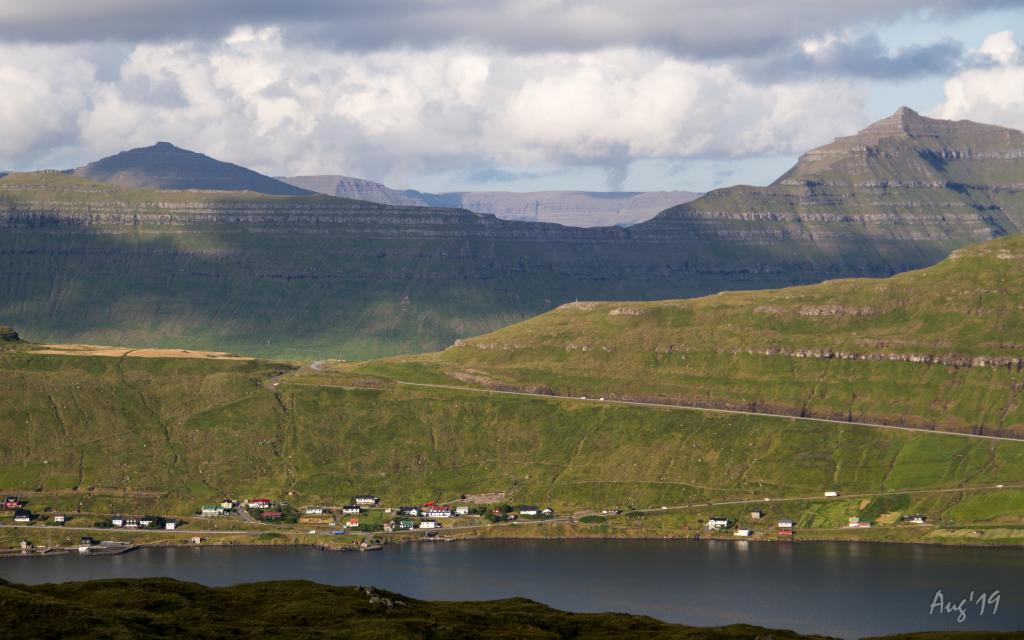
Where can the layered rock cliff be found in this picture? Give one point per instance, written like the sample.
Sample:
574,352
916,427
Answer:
279,275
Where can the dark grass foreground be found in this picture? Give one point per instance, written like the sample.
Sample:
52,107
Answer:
162,608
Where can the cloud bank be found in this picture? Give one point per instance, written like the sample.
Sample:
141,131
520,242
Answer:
253,99
399,90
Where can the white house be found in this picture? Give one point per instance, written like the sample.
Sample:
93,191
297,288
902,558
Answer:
131,523
529,511
314,511
210,510
429,524
915,519
351,509
547,511
146,522
742,533
716,522
462,510
117,521
59,519
831,494
438,512
366,500
170,525
228,505
261,503
786,524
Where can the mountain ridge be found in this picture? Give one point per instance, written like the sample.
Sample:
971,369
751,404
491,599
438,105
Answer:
570,208
301,276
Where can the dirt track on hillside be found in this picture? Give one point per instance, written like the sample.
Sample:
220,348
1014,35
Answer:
123,352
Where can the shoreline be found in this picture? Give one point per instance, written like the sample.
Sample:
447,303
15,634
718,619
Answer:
404,540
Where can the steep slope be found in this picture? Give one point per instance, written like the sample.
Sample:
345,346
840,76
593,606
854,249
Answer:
165,166
571,208
110,434
942,347
319,276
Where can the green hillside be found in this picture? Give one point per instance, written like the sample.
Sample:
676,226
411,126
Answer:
104,435
318,276
942,347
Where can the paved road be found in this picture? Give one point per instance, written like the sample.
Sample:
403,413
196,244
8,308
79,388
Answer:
679,407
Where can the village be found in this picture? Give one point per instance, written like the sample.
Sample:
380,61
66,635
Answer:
370,523
363,514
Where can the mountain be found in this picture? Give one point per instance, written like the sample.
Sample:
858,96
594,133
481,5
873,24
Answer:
940,348
165,166
570,208
320,276
935,181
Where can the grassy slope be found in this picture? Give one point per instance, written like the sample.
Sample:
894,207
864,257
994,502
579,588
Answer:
742,350
98,433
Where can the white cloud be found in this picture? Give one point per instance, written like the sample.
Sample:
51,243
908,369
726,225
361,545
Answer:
256,100
992,91
42,90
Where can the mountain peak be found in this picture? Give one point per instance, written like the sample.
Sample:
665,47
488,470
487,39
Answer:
165,166
905,120
882,150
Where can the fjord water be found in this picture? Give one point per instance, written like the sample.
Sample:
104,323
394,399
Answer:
837,589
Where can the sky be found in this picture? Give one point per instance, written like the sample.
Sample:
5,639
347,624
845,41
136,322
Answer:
461,95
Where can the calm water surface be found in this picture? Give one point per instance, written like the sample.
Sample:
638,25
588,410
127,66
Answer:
846,590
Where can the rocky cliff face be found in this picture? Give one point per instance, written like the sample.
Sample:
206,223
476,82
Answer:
570,208
275,275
